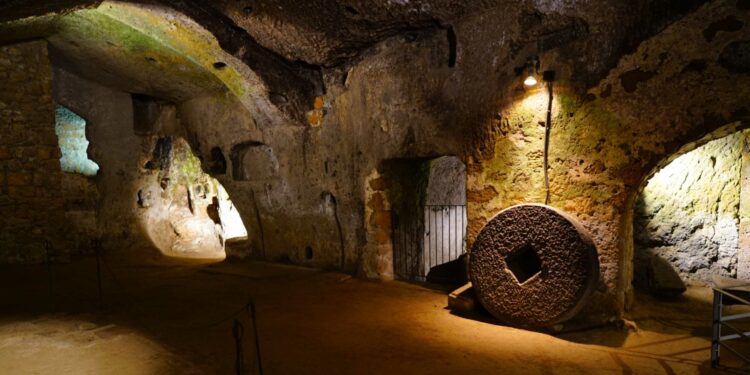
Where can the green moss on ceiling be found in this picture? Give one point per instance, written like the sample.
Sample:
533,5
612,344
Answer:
155,47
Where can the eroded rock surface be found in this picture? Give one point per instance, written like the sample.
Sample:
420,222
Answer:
688,213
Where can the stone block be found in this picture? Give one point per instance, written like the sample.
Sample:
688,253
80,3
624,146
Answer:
19,193
14,165
46,153
463,299
50,165
41,179
48,139
378,184
19,179
29,153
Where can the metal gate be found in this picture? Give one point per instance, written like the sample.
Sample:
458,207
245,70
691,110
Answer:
420,243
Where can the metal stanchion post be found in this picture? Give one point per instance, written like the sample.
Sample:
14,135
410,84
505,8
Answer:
48,260
237,332
97,250
251,305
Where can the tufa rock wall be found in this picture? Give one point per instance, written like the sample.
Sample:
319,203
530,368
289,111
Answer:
114,147
688,213
176,201
604,143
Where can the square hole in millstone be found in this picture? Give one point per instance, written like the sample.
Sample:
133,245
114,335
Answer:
524,263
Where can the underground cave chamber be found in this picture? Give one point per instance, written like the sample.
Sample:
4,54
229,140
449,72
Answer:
199,187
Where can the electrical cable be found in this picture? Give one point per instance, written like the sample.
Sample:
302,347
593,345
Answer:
547,126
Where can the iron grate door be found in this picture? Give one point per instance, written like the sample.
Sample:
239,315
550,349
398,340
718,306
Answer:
421,243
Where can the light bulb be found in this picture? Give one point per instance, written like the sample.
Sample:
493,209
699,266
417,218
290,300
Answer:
530,80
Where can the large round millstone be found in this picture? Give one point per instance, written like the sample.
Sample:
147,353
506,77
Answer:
533,265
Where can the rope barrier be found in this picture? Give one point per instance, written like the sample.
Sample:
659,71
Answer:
237,328
547,128
96,245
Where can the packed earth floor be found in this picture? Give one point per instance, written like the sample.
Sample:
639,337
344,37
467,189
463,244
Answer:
178,317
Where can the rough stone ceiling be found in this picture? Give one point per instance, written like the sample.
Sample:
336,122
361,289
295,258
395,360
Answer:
330,32
283,47
327,33
106,45
314,35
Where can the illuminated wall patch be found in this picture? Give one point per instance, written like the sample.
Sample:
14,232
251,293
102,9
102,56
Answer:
71,134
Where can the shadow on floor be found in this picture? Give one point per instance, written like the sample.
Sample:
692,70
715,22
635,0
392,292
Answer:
188,309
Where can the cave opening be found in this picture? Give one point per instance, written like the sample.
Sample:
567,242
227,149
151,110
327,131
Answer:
186,212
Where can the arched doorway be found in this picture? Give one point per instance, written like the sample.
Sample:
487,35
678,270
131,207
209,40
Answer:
416,219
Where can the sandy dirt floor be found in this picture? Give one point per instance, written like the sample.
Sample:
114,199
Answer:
177,318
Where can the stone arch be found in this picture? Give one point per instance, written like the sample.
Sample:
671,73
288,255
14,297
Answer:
670,278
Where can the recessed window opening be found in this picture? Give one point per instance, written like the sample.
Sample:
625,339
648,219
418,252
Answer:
234,228
71,134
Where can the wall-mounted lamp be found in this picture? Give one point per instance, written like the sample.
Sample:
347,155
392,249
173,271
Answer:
531,68
530,80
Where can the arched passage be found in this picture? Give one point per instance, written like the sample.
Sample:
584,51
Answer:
688,215
119,74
